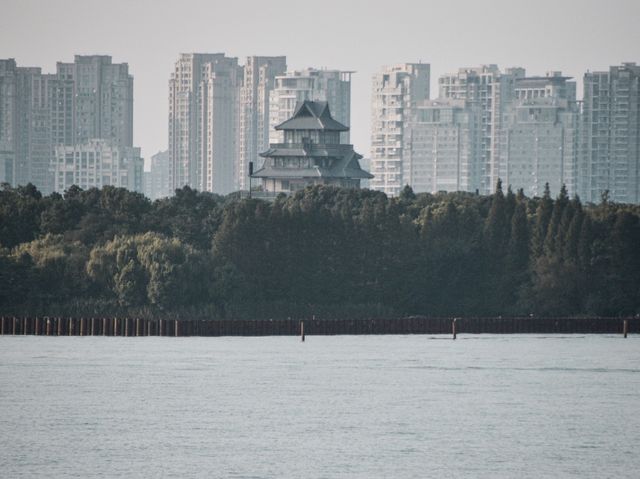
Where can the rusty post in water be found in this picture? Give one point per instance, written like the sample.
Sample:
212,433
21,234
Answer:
302,330
625,327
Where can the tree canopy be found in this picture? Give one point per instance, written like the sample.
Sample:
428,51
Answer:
323,251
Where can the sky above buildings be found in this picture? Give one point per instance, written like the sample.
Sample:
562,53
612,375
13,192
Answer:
569,35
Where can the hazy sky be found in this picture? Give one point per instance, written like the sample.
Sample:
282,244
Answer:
540,35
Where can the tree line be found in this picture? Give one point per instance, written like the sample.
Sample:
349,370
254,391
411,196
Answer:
323,251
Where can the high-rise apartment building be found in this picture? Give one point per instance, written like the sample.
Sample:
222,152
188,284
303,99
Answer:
88,99
492,91
485,125
219,98
539,136
442,147
9,128
25,126
259,80
157,181
204,121
397,89
610,135
552,85
102,99
332,86
97,163
540,146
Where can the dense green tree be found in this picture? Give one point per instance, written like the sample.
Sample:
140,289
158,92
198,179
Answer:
541,223
20,210
561,208
153,270
517,259
55,267
190,215
323,251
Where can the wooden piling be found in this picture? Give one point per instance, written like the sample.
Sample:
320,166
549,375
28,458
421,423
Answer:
453,327
625,327
302,330
176,332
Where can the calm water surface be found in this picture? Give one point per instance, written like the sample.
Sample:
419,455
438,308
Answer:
343,406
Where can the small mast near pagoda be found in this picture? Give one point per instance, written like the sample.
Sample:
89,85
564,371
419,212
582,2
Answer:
311,153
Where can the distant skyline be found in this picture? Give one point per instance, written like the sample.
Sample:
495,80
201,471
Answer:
571,36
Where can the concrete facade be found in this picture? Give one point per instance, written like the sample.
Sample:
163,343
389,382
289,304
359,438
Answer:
442,147
8,120
157,181
259,81
539,136
204,121
87,99
97,163
540,146
25,125
610,135
397,89
102,99
492,91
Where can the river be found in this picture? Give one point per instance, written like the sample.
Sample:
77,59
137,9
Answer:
498,406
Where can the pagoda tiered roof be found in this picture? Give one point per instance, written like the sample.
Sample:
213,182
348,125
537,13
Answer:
312,115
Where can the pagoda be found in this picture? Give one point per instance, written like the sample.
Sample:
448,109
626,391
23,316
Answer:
311,153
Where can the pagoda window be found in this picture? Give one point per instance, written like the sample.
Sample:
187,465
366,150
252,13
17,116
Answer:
289,137
329,137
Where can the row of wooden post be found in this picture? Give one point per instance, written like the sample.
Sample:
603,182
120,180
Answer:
57,326
625,328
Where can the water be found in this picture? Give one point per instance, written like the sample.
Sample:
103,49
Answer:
344,406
